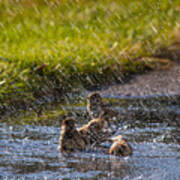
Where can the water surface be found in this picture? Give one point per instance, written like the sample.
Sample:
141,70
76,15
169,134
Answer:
30,151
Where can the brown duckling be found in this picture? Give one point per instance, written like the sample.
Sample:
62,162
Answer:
70,139
120,147
96,130
95,106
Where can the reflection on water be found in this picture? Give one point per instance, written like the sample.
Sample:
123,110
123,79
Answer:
31,151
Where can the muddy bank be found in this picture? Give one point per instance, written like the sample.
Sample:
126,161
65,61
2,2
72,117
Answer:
166,82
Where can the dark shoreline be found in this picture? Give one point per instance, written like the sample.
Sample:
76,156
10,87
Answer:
151,82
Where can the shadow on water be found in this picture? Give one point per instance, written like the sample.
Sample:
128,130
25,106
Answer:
151,125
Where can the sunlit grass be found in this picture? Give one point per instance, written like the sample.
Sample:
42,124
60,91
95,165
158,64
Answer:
53,44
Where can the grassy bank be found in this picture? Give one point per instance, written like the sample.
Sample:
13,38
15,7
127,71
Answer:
50,46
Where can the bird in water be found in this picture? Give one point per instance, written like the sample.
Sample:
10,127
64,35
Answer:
70,138
96,106
120,147
97,130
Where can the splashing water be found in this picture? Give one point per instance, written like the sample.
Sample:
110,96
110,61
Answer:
30,151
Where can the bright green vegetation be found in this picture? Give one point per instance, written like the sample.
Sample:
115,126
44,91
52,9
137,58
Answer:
49,46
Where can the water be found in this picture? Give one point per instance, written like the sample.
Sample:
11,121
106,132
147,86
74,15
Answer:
30,152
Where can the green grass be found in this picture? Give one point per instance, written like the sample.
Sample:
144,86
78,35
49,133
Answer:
49,46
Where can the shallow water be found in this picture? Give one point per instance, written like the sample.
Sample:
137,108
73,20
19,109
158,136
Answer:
30,152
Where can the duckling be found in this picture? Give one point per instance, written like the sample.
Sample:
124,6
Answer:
96,130
96,106
70,139
120,147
